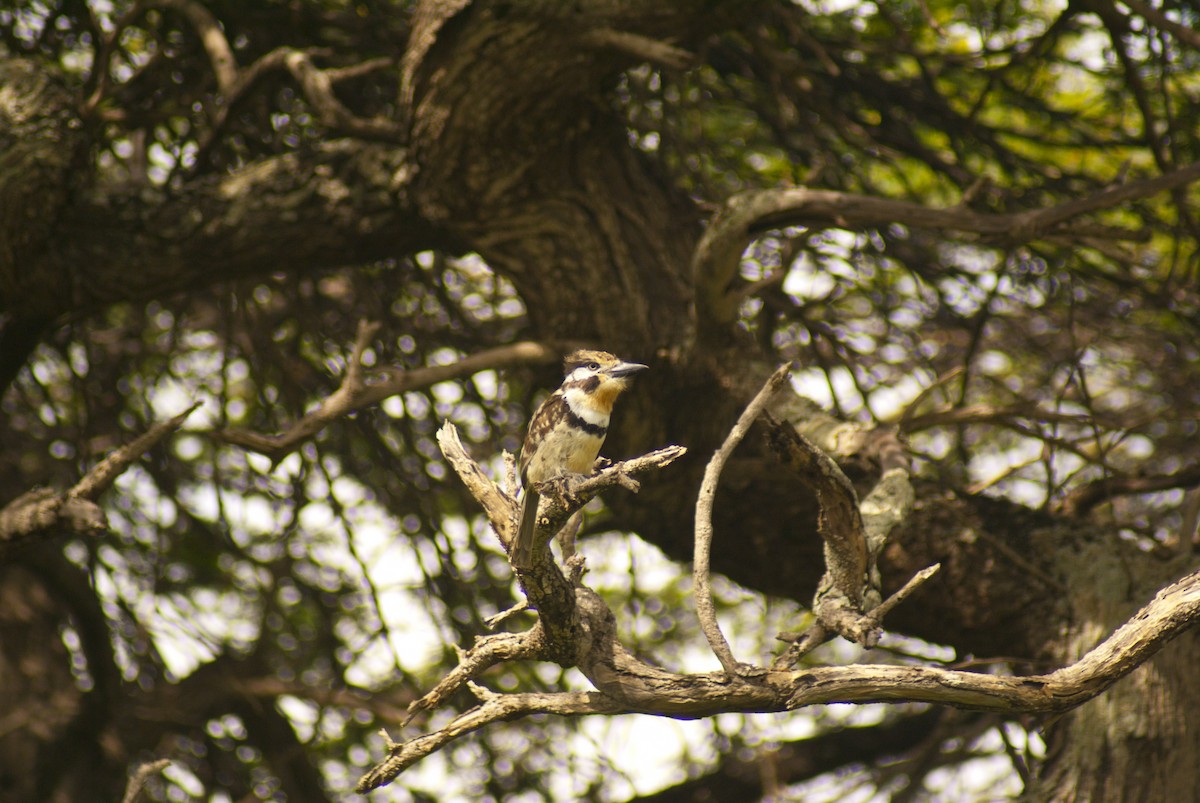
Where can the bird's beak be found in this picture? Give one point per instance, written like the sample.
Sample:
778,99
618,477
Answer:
627,369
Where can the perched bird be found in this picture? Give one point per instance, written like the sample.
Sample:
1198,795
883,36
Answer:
566,432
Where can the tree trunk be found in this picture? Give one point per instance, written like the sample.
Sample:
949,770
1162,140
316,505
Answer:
1139,740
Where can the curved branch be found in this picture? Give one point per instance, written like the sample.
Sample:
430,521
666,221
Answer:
716,258
494,708
701,592
1082,499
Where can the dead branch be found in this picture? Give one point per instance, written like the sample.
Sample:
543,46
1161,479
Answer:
358,390
716,258
139,778
487,652
848,601
493,708
633,686
701,591
43,510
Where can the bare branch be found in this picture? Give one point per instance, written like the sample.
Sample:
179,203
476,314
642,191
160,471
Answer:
101,476
840,522
716,258
139,778
44,510
487,652
220,54
905,591
634,686
498,505
357,391
493,708
701,591
318,89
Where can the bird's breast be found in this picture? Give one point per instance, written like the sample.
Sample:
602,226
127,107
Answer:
564,450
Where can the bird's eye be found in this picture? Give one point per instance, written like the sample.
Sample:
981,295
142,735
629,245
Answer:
593,366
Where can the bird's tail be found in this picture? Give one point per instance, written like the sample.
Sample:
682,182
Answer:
522,551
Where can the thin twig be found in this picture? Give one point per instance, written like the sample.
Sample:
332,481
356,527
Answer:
914,582
139,778
701,591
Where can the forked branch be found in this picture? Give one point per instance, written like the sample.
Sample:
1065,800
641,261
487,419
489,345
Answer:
576,628
633,686
44,510
360,389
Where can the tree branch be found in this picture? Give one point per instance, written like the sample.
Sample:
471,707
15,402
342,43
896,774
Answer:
701,592
716,258
357,391
44,511
493,708
1082,499
290,211
139,778
634,686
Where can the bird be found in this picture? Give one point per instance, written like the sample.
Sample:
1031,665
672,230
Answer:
566,432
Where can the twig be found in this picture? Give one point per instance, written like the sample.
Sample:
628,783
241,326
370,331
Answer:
701,591
495,620
905,591
139,778
487,652
492,708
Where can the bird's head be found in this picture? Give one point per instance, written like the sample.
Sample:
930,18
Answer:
602,376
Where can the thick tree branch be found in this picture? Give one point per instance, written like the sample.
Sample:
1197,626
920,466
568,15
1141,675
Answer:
838,603
339,203
716,258
41,141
